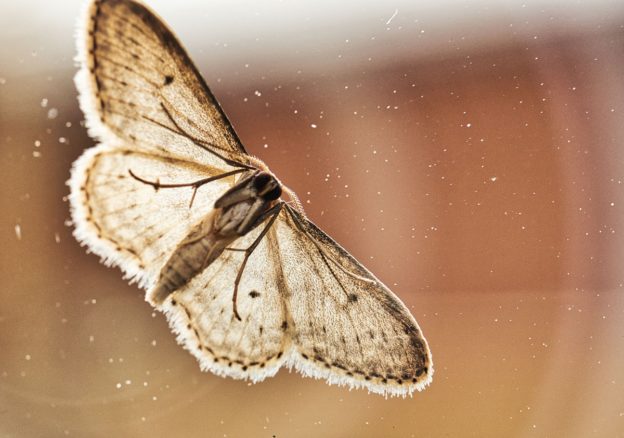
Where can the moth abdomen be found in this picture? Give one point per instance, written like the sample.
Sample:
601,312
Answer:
201,247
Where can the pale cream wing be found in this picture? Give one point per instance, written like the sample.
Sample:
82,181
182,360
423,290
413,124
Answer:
129,223
144,99
139,88
346,326
201,313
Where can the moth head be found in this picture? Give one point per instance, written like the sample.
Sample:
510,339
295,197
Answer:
267,187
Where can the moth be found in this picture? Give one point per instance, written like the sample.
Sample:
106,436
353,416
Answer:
169,195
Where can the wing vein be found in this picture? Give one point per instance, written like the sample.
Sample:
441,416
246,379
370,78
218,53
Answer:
100,58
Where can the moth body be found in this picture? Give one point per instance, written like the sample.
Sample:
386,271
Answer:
238,211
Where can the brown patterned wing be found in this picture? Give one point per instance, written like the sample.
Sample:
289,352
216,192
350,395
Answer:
139,87
346,326
154,115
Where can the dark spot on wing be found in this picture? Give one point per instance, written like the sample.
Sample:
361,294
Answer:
353,298
168,79
410,330
254,294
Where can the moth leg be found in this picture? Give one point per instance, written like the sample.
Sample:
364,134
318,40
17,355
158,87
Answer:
195,184
273,212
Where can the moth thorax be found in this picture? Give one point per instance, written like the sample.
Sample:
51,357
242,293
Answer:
228,220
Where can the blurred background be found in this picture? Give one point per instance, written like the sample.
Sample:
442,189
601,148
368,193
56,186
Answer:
470,153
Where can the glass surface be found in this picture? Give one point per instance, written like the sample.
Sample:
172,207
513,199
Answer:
470,154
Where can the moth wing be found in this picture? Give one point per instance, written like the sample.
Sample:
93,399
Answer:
201,313
295,311
144,99
129,223
347,327
138,87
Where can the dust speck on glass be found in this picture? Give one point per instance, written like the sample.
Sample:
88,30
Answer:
170,196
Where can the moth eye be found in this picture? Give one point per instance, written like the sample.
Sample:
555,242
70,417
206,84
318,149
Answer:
273,194
261,180
266,186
